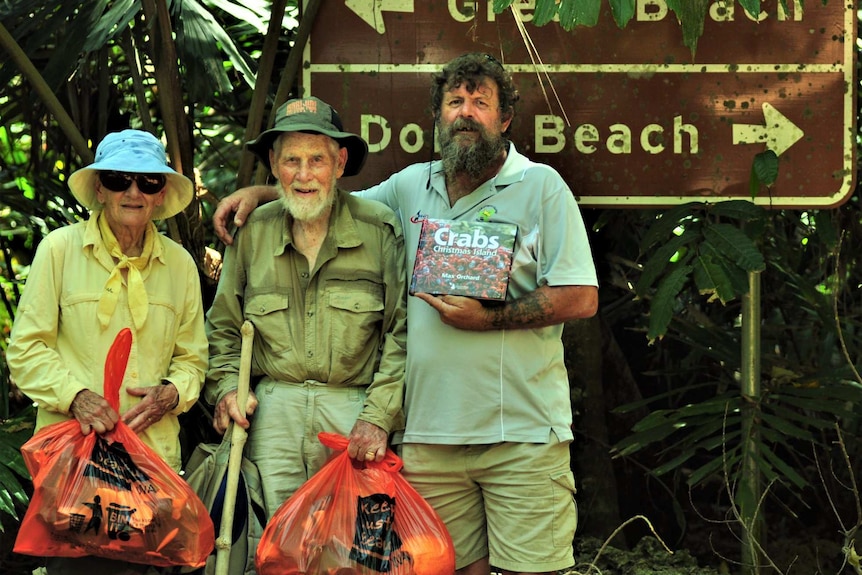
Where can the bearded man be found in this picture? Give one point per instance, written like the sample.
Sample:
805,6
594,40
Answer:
487,394
321,276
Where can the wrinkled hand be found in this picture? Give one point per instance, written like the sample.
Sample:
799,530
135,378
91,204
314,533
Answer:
157,401
367,442
228,409
242,201
93,412
458,311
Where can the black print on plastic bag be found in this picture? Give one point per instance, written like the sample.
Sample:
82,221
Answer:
112,464
375,538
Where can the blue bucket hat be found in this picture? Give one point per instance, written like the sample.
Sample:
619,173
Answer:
136,152
311,115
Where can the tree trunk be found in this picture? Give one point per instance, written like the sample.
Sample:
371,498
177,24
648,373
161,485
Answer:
599,512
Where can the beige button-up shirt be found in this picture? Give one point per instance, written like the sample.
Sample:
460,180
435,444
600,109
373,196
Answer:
342,323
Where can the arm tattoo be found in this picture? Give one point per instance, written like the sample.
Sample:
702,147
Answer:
532,310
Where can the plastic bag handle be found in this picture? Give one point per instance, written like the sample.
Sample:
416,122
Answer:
115,366
390,461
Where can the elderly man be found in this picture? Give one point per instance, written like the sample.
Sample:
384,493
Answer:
487,394
321,276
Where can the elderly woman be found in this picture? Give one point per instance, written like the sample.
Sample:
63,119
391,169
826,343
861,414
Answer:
90,280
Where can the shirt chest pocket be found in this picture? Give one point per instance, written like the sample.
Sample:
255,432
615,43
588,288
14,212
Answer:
356,318
270,314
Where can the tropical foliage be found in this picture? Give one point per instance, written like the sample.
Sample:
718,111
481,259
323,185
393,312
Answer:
674,282
78,70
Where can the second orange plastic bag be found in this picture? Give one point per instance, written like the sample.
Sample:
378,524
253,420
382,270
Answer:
110,495
355,518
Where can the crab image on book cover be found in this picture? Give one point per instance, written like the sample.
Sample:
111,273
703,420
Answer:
467,258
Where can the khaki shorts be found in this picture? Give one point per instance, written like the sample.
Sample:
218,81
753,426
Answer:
511,502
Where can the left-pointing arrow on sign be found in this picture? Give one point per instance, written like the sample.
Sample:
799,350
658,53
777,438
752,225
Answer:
372,10
778,132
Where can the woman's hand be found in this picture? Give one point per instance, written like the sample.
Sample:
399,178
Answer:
157,401
93,412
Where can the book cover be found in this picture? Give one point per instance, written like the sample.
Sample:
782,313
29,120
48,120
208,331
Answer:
465,258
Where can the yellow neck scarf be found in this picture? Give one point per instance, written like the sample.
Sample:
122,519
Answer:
138,301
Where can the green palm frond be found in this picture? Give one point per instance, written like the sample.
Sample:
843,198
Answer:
14,477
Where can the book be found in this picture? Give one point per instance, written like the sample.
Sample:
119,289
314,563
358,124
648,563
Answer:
464,258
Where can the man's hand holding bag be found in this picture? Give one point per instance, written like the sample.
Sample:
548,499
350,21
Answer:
364,517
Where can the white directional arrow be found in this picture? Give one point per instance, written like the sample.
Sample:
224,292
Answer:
372,10
778,132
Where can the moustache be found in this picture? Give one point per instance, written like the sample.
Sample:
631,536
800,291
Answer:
465,124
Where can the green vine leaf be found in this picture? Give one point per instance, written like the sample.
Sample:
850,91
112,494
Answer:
752,6
660,260
664,302
668,221
765,167
691,14
545,12
623,11
740,210
711,279
736,246
499,5
580,13
764,172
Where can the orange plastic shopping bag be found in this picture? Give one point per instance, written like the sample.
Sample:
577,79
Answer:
357,518
110,495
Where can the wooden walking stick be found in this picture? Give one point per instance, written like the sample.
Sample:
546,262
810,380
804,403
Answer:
237,444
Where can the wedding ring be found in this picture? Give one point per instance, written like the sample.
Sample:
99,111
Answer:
370,454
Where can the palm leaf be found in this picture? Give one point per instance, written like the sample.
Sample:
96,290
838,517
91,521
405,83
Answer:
14,432
727,460
784,471
785,428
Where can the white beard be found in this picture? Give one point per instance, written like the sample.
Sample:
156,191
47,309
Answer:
307,209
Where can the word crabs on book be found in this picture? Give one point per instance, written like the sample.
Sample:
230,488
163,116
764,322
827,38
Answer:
464,258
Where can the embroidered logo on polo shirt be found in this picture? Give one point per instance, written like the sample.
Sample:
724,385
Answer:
486,213
418,218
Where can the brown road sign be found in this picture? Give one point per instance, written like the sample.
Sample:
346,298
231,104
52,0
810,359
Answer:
628,116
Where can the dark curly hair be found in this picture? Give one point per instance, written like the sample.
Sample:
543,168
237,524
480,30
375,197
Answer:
469,70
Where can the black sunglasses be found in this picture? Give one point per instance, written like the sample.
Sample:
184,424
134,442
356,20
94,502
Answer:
120,181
